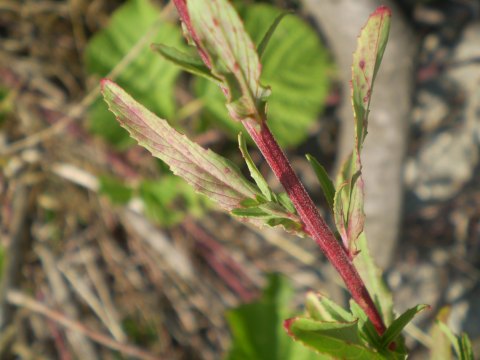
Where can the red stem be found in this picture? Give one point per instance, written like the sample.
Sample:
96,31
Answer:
314,223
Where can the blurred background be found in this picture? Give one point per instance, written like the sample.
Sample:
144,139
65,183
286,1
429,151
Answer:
104,254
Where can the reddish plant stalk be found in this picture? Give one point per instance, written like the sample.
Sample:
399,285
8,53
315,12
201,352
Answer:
314,223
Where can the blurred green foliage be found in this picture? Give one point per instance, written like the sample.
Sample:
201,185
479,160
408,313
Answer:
166,201
169,199
257,327
6,105
149,78
115,190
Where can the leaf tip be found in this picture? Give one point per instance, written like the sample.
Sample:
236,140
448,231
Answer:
382,10
287,325
105,83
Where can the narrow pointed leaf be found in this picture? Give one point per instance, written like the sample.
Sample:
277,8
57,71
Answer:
192,64
251,212
442,348
371,43
272,214
299,79
372,276
461,344
450,336
321,308
256,327
285,201
398,324
366,329
466,350
209,173
268,35
366,60
254,172
206,171
335,339
222,34
325,182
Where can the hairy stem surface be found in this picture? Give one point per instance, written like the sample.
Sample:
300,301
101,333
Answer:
315,225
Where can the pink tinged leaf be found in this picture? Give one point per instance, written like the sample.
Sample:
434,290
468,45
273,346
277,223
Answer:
349,213
207,172
222,33
366,60
190,31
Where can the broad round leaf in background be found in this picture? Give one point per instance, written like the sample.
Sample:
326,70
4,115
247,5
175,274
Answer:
149,78
295,65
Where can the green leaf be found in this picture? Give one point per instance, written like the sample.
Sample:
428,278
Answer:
232,54
372,276
348,206
102,123
254,172
335,339
272,214
395,329
115,190
285,201
466,350
441,347
257,332
349,198
366,329
325,182
3,259
188,62
366,61
6,103
321,308
461,344
207,172
168,199
450,336
268,35
251,212
295,64
148,77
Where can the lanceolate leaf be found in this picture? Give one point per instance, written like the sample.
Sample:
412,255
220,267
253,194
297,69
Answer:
321,308
209,173
254,172
365,327
366,60
256,327
372,276
348,204
325,181
271,213
461,344
336,339
206,171
232,52
394,330
294,64
442,348
187,62
349,214
268,35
